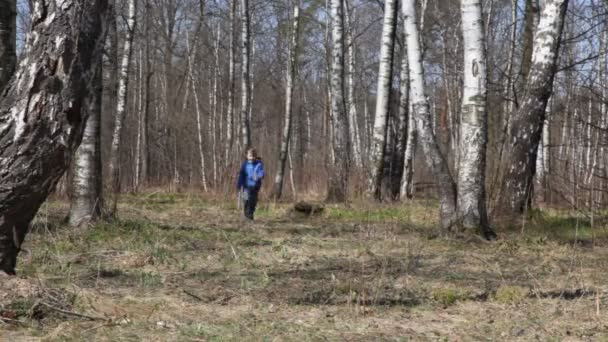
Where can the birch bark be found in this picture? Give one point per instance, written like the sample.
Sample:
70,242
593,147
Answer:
403,128
245,77
339,167
473,123
8,34
42,114
352,102
383,97
526,130
121,104
87,200
286,135
420,110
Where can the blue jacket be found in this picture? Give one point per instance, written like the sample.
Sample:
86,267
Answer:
251,175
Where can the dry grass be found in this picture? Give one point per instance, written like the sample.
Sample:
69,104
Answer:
179,268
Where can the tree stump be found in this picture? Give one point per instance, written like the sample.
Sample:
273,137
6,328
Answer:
305,209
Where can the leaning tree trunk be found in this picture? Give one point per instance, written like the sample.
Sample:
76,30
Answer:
121,105
87,200
526,130
42,111
403,127
8,33
473,123
339,168
291,75
383,97
420,110
531,12
245,77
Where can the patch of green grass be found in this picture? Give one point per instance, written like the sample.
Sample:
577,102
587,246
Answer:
563,226
150,279
511,294
376,215
446,296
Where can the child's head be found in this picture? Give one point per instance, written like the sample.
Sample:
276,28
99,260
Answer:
252,154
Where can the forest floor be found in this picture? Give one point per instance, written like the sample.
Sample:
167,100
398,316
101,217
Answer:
178,268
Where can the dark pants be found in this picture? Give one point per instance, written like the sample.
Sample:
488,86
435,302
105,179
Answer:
251,201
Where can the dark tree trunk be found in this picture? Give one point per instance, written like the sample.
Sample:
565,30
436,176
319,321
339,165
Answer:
8,57
41,112
402,127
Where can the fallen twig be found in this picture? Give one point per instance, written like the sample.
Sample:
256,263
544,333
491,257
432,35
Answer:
6,319
193,295
71,313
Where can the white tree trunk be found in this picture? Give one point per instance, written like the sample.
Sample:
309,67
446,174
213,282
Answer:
197,104
121,104
352,101
420,110
340,166
8,34
245,64
140,114
87,201
527,123
231,84
473,126
542,161
42,114
383,97
214,104
291,78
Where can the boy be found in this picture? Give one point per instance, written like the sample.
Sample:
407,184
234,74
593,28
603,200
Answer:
250,181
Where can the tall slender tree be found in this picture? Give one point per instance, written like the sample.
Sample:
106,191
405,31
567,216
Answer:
8,33
383,96
291,78
473,123
399,155
245,76
420,110
42,112
339,169
121,104
87,196
352,100
231,82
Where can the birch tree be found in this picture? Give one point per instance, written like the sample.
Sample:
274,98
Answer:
473,123
527,124
245,77
402,128
352,101
87,199
231,82
291,76
41,112
121,104
383,96
420,110
340,142
8,32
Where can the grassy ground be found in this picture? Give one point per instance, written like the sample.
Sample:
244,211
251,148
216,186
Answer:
176,268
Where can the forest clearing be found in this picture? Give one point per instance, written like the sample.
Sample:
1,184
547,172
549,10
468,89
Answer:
155,156
180,268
